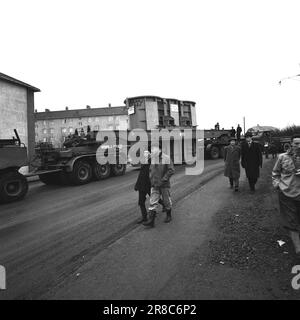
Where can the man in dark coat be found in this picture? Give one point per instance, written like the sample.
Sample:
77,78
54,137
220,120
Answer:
143,186
232,132
251,160
238,132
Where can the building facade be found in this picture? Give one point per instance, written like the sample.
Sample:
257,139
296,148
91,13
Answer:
54,126
17,111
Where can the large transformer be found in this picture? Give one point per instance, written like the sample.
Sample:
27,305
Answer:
152,112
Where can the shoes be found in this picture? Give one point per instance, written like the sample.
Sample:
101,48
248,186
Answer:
150,221
168,217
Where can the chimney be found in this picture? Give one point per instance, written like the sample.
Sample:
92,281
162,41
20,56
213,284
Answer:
47,110
109,105
35,110
67,108
88,107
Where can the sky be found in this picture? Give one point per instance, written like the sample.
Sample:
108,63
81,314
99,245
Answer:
227,56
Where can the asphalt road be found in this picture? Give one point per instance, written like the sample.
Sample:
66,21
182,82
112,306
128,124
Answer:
56,230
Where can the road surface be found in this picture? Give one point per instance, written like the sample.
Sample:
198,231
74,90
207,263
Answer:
49,236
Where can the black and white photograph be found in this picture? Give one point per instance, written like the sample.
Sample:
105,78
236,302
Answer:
149,152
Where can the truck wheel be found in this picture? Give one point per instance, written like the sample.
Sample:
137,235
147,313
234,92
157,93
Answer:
214,152
101,171
82,173
13,187
118,169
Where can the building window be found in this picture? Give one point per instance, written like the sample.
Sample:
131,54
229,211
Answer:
45,140
71,130
51,131
64,130
97,119
89,120
80,124
44,131
44,123
110,119
64,121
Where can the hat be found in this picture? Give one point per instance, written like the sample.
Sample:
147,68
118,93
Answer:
248,134
232,138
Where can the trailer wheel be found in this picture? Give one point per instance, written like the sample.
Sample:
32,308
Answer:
13,187
82,173
118,169
101,171
214,152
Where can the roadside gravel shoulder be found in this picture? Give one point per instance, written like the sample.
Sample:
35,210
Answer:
241,258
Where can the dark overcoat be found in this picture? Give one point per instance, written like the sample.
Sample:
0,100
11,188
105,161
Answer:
143,183
232,155
251,159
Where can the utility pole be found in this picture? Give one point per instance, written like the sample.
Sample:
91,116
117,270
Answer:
244,121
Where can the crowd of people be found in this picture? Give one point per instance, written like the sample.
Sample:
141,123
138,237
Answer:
154,180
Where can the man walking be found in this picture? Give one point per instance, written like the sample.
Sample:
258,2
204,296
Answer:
251,160
161,169
143,186
232,155
286,178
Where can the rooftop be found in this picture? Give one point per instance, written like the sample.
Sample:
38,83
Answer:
9,79
81,113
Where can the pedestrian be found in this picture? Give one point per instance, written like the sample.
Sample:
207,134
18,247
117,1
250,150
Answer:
232,155
267,149
143,186
161,169
238,132
251,160
273,150
232,132
286,179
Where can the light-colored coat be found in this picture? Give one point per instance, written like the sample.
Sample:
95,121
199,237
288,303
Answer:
232,155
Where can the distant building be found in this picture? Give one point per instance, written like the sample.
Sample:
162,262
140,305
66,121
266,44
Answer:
55,126
17,111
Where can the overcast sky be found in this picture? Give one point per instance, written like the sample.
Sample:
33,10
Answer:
227,56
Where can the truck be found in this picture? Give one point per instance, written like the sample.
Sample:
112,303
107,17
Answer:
265,138
215,141
13,156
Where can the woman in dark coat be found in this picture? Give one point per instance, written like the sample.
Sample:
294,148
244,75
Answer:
232,155
251,160
143,186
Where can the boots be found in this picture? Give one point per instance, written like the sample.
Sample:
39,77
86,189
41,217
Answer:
168,216
162,204
144,215
150,222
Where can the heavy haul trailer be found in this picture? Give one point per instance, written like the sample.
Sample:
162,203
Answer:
77,163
